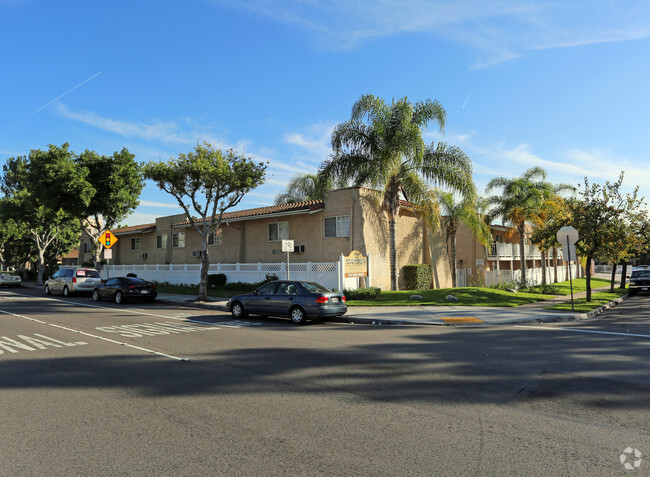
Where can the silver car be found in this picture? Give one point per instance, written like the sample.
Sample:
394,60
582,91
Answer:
67,281
8,280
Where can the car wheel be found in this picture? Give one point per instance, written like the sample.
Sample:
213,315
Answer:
47,290
66,291
119,298
237,310
96,295
297,315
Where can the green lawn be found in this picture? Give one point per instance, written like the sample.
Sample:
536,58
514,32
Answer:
579,285
581,305
467,296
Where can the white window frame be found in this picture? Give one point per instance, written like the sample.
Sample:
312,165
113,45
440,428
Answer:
281,229
163,240
339,226
178,240
215,238
136,243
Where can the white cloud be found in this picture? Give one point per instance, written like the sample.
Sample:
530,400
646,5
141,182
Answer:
149,203
498,30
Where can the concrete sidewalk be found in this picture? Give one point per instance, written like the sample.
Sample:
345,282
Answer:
434,315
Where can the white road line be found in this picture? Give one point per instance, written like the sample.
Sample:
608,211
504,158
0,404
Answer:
139,348
581,331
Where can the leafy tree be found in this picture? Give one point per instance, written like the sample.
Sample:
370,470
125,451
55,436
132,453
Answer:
465,211
40,191
601,215
521,201
381,146
206,181
553,215
117,183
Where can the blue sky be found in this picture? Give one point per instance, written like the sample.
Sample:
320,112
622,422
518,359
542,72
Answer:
562,85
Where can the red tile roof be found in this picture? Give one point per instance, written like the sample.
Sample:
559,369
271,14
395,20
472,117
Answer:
135,228
307,206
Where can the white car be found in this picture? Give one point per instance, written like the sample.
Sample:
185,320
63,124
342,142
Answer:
67,281
7,280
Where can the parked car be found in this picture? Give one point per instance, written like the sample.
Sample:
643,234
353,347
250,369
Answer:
8,280
639,281
298,300
121,289
71,280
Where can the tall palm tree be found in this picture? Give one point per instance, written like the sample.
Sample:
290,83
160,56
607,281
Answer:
521,200
466,211
381,147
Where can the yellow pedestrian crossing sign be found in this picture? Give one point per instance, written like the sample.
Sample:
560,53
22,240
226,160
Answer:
107,239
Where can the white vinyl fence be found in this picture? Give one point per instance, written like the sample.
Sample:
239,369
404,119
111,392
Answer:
326,273
533,275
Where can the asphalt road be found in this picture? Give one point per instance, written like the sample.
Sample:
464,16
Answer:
100,389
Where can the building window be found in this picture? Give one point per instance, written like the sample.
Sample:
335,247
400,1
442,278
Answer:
135,243
215,238
161,241
338,226
87,246
178,240
278,231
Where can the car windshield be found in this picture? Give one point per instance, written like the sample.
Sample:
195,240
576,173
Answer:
314,287
641,274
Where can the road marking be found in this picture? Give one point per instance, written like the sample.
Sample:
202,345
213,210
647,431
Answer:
176,316
460,319
575,330
121,343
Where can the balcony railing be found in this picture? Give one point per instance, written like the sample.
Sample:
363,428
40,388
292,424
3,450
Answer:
510,251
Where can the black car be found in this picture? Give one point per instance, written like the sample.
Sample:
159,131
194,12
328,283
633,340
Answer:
639,281
125,288
295,299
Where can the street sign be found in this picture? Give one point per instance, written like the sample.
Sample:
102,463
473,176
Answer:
567,234
108,254
287,245
107,239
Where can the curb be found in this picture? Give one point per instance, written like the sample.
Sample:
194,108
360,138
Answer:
193,304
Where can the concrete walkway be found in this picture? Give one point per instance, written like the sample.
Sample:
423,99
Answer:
435,315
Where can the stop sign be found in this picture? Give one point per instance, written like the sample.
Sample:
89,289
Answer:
567,235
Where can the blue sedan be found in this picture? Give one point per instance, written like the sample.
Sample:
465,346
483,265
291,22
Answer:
298,300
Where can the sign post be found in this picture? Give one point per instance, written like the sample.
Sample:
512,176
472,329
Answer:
107,239
569,236
287,246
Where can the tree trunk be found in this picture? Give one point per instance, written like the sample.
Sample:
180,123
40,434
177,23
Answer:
543,267
453,260
41,266
623,275
522,255
392,254
588,278
611,285
555,263
205,267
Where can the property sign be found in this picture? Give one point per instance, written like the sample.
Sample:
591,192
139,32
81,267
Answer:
108,254
107,239
356,265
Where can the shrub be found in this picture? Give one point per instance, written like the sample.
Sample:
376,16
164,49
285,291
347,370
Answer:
417,277
217,280
131,275
369,293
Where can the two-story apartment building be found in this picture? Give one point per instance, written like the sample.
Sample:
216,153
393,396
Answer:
348,219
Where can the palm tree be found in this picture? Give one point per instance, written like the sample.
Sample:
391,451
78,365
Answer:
303,187
521,201
381,147
467,211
